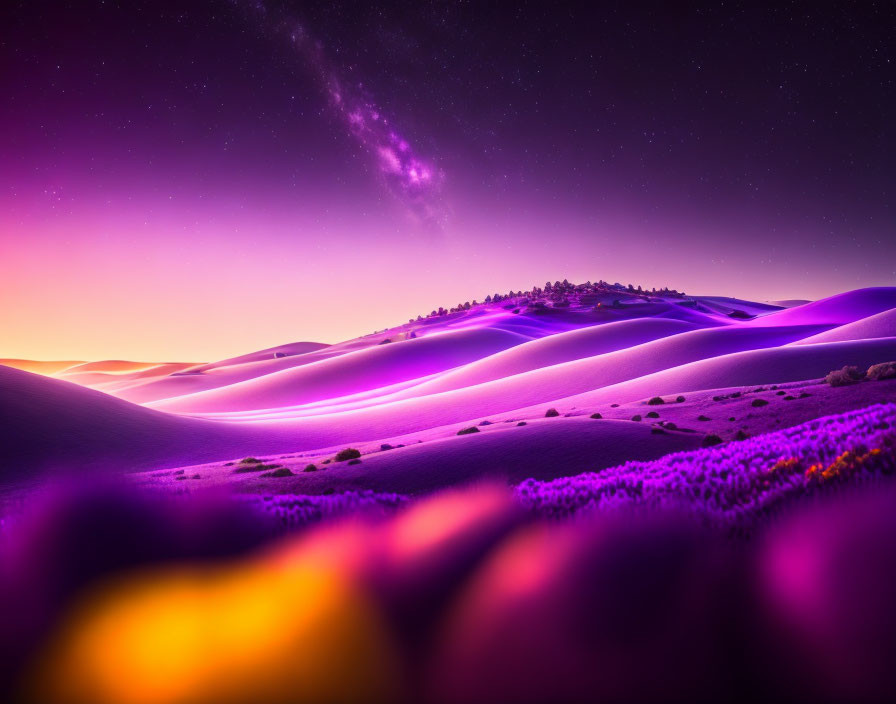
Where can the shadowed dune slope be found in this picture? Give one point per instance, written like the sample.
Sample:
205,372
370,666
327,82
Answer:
546,448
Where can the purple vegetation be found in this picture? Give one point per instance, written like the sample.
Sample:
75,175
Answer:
735,483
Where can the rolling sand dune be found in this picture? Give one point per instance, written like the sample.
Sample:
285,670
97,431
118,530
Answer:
363,370
288,350
768,366
525,389
544,449
39,367
434,377
879,325
837,310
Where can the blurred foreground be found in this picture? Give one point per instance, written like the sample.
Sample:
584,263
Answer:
113,596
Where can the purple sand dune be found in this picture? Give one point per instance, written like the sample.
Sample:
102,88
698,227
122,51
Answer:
363,370
505,394
837,310
543,449
55,425
562,347
878,325
768,366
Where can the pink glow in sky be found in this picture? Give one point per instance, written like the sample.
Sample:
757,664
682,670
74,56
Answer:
196,203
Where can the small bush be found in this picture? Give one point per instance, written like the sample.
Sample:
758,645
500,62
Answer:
279,473
250,460
354,461
781,393
741,435
844,377
386,446
486,422
790,398
636,417
551,413
310,468
522,422
670,426
702,418
348,453
759,402
717,398
614,405
679,399
655,401
879,372
653,414
711,440
261,467
468,431
596,416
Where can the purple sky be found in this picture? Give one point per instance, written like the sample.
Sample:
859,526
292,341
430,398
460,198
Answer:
182,181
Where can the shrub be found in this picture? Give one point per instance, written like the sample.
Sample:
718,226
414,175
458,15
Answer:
711,440
250,460
354,461
636,417
670,426
551,413
653,414
486,422
596,416
844,377
278,473
468,431
614,405
260,467
522,422
348,453
679,399
879,372
741,435
310,468
702,418
759,402
386,446
781,393
655,401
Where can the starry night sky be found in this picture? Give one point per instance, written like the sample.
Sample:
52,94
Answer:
178,179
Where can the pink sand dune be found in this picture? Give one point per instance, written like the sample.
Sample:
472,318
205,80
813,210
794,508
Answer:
39,367
112,366
110,380
288,350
